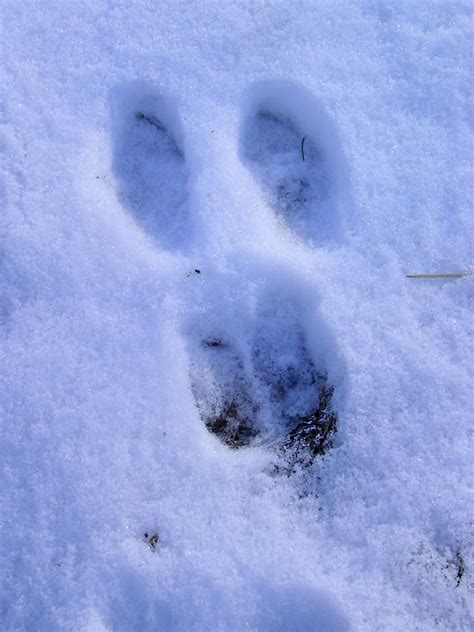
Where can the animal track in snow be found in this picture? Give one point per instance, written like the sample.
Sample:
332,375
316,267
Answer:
149,162
263,387
291,146
299,413
268,392
223,391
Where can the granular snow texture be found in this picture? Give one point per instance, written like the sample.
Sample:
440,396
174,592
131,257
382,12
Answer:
209,209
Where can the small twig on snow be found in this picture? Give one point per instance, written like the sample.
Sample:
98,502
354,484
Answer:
455,275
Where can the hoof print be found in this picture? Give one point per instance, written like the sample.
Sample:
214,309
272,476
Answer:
223,392
272,392
149,163
291,146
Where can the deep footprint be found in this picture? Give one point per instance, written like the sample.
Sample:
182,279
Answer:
149,163
300,417
277,398
291,147
223,392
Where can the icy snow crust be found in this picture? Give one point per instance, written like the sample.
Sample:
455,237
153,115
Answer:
143,141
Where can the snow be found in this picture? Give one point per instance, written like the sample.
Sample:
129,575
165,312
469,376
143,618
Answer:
140,142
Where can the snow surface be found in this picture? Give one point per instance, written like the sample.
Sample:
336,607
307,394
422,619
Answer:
141,141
